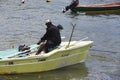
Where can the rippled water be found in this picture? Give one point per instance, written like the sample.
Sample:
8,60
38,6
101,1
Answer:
24,23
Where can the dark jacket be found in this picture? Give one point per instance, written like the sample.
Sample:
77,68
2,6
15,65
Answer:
73,4
52,34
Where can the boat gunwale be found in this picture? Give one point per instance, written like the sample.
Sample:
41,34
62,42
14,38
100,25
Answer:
43,61
48,54
101,5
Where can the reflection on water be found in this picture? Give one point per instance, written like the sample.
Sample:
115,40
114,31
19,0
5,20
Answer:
67,73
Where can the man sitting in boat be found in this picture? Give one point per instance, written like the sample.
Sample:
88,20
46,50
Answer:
72,6
51,38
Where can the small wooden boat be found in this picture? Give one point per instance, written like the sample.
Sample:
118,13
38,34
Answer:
62,56
113,8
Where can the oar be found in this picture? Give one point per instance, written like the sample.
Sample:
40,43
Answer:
83,39
73,25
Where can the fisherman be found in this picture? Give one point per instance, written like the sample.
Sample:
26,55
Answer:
51,38
72,6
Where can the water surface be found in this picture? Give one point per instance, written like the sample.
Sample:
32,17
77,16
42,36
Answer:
25,24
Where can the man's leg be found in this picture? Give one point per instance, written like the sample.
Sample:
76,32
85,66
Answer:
49,44
41,48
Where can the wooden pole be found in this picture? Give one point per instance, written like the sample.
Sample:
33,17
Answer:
73,25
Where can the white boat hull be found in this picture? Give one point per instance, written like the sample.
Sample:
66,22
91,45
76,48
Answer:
58,58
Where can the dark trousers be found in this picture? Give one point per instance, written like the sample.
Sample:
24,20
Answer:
45,46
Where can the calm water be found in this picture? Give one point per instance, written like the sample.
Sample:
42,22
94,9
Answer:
24,24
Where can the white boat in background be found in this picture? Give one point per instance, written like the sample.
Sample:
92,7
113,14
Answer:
60,57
